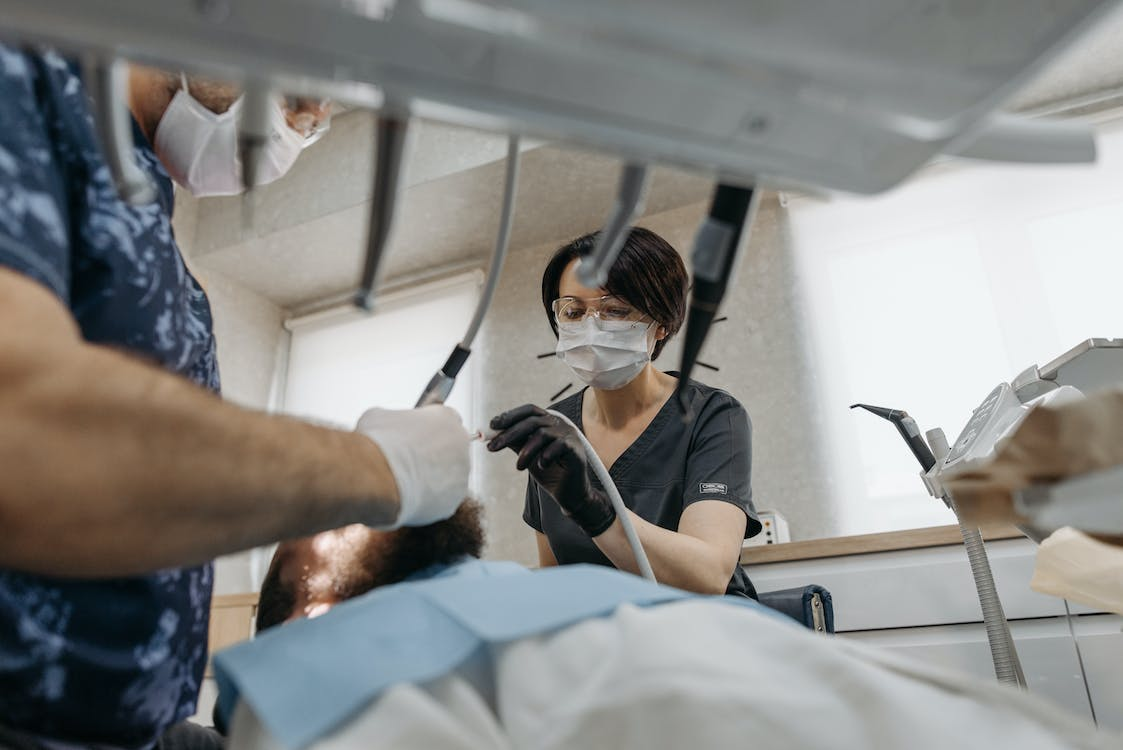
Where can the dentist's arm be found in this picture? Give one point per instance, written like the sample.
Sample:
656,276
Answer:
113,467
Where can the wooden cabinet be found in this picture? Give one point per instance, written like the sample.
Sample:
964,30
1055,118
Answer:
232,618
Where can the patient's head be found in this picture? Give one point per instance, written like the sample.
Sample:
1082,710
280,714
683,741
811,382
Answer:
310,575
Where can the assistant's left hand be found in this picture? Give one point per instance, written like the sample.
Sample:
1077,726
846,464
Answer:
552,451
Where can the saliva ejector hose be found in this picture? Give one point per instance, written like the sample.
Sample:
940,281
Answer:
599,469
642,563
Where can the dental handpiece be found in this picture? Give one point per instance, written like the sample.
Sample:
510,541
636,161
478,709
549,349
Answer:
593,269
254,131
908,429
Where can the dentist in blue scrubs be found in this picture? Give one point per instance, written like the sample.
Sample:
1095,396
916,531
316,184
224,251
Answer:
122,474
686,486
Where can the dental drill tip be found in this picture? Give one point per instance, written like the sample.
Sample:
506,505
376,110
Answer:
882,411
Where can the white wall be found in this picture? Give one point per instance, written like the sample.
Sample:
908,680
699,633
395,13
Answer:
251,342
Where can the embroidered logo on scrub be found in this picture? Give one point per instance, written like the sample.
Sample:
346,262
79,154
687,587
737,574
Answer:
713,488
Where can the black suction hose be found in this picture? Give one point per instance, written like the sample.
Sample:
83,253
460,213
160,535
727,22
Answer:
714,258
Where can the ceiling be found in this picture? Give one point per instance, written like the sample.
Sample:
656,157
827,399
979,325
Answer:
302,239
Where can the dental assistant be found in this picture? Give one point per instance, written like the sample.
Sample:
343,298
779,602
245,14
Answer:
122,473
687,486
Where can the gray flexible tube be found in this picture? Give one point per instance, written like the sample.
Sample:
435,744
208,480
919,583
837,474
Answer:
1007,667
107,82
441,384
502,242
642,562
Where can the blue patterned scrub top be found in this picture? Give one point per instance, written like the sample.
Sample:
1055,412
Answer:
101,661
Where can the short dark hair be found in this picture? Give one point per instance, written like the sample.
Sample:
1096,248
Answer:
410,549
648,274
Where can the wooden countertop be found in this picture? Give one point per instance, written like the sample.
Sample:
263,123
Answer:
936,536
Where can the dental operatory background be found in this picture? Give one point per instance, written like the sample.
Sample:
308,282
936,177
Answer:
921,298
989,269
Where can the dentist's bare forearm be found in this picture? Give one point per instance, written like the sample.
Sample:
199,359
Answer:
700,557
113,467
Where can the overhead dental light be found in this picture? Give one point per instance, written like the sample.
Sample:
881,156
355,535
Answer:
818,93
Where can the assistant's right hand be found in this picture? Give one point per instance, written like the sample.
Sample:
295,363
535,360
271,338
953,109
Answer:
552,451
427,449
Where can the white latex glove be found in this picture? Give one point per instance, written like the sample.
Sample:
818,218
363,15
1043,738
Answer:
427,450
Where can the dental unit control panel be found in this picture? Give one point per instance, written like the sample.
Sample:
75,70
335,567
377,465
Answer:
1092,365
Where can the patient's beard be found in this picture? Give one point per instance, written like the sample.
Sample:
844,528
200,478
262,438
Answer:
377,559
410,550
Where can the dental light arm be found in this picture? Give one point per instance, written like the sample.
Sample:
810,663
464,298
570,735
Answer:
440,385
715,255
593,269
107,82
1010,138
388,176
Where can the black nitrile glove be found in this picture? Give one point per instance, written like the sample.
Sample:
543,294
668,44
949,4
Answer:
553,453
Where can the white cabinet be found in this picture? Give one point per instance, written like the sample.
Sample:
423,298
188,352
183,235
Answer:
1045,649
910,588
1101,643
922,602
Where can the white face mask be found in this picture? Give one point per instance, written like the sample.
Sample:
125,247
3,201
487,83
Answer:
606,355
200,148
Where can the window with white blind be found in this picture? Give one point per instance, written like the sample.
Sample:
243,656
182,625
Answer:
344,362
925,298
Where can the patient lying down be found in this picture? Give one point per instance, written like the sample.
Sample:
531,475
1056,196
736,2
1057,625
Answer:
437,649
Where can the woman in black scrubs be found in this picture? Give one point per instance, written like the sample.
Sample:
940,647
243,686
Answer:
686,485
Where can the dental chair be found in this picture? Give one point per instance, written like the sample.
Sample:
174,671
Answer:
809,605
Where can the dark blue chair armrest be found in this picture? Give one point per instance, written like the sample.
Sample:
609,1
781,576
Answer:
808,605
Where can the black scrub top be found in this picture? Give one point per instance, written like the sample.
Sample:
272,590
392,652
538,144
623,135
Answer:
670,466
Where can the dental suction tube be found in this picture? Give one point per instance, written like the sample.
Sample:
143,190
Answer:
440,385
592,270
642,563
107,82
388,176
714,257
1004,654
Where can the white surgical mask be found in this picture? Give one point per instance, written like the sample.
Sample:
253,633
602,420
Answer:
199,148
605,354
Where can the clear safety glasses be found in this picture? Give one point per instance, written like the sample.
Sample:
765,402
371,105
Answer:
613,311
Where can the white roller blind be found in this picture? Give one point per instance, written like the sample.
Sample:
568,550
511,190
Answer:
341,365
925,298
